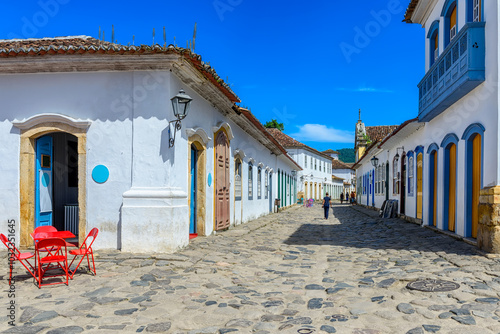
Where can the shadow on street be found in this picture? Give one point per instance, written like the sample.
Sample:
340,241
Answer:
358,230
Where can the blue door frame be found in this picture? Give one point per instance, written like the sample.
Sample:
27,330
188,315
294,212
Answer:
43,182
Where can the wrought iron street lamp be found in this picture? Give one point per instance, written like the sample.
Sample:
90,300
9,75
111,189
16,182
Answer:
180,104
374,161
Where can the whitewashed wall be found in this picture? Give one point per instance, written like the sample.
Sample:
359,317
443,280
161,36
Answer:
146,193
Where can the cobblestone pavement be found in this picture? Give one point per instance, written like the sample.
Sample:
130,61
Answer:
291,272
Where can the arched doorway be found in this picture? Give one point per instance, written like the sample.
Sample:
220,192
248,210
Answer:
433,183
61,127
473,176
56,181
193,171
221,181
449,144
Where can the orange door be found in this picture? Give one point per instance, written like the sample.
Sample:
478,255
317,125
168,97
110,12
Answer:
452,188
419,185
476,181
222,182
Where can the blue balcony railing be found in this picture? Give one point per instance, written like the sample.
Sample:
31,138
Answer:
458,70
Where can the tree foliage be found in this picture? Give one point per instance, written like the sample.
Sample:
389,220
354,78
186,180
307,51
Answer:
273,124
347,155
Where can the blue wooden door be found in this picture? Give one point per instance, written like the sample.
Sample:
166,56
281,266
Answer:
43,185
192,223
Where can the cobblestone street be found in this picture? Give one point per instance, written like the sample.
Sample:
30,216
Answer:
292,272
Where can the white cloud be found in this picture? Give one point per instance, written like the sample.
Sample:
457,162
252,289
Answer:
322,133
364,89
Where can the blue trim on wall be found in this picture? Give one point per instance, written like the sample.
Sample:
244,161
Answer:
373,187
432,147
433,30
448,6
473,129
469,135
410,189
446,12
419,150
431,185
470,11
450,138
434,26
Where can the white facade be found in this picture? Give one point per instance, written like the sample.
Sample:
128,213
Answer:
120,118
315,179
448,200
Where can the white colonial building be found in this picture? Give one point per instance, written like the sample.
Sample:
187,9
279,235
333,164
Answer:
315,178
88,128
443,166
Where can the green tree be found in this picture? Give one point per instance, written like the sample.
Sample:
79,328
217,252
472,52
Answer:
273,124
347,155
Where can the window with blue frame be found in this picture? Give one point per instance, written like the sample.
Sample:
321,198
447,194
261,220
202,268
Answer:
474,10
450,21
250,181
433,36
411,179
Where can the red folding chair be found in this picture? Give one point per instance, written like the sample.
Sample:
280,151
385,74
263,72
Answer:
15,254
84,251
56,259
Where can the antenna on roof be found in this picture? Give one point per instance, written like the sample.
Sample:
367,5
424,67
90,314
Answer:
112,33
153,36
99,32
194,35
133,39
187,44
164,36
103,35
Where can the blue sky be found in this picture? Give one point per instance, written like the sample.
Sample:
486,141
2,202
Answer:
311,65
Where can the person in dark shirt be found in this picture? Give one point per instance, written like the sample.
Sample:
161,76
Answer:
326,205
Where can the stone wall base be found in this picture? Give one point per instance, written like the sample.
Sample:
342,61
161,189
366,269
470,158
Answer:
488,231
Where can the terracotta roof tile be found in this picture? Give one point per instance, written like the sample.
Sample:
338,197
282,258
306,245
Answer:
288,142
330,151
378,133
410,10
54,46
337,164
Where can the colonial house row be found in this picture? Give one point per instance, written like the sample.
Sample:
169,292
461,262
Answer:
315,178
146,143
443,166
343,171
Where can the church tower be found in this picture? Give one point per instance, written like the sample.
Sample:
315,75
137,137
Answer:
361,139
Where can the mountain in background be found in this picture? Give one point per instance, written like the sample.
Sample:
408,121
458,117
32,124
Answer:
347,155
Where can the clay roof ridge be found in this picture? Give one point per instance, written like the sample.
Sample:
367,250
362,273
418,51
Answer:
47,38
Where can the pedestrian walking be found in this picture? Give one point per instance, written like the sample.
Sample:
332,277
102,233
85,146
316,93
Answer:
326,205
341,198
353,197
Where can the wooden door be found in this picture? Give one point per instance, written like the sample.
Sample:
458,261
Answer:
476,182
44,184
452,187
193,206
419,185
222,182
